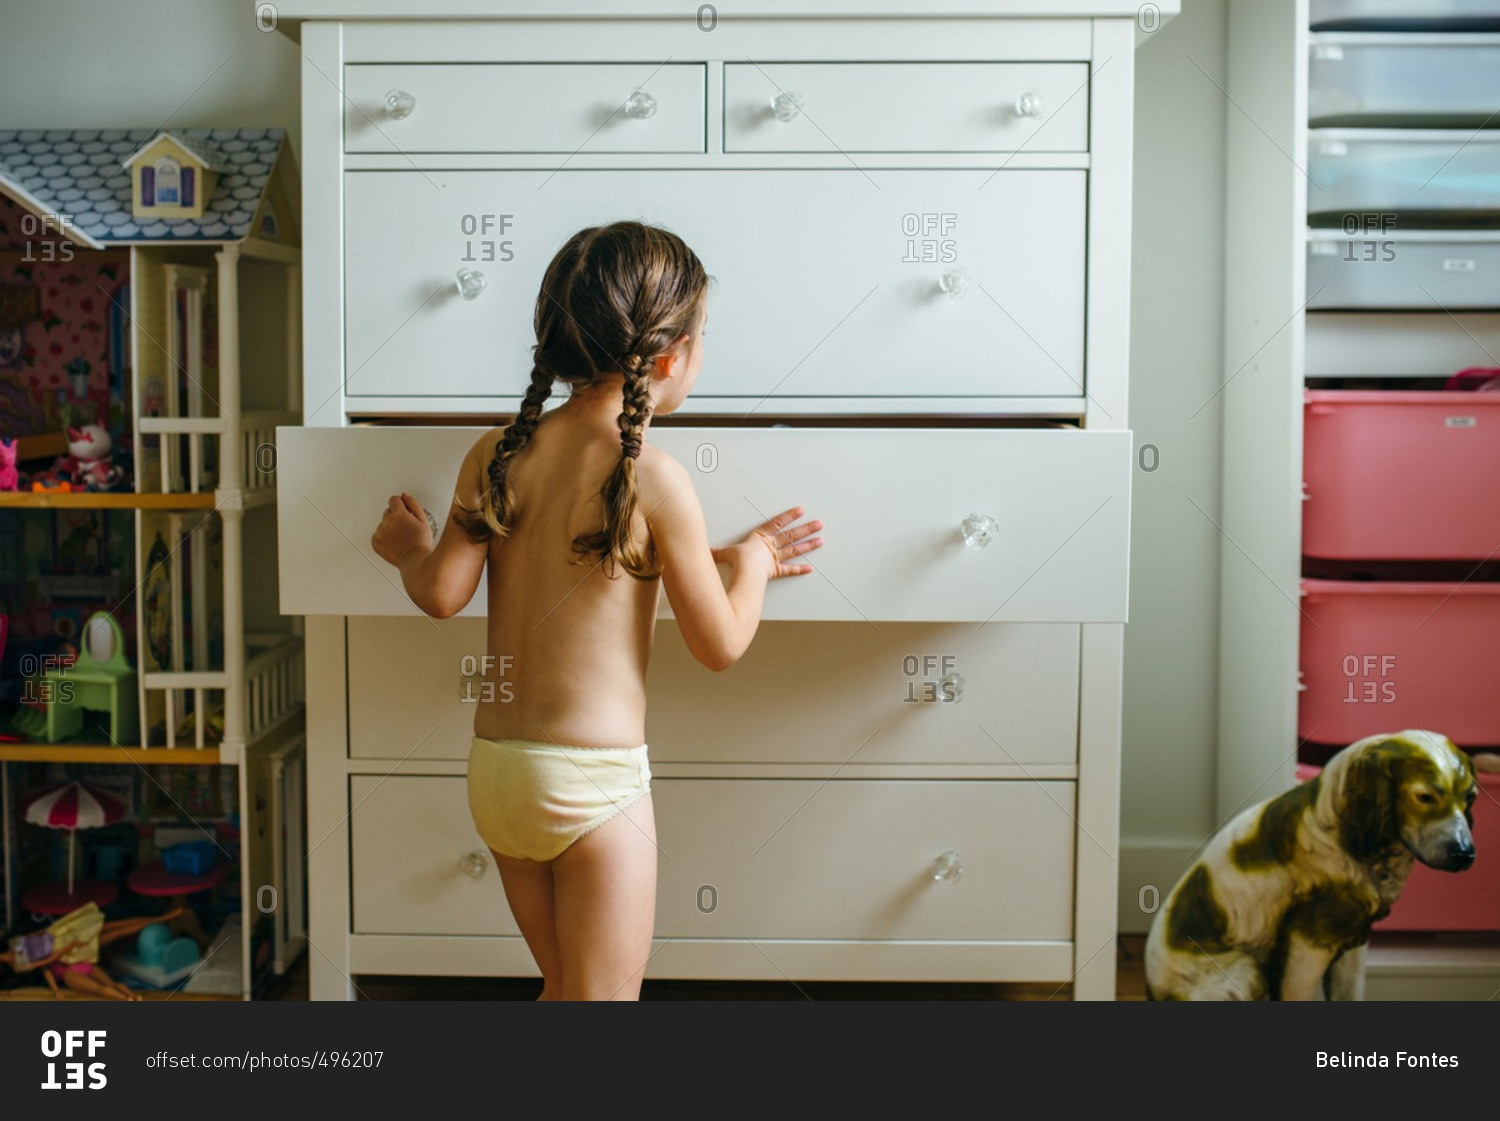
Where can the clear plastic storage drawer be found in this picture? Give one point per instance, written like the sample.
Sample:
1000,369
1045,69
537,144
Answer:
1409,81
1396,269
1363,179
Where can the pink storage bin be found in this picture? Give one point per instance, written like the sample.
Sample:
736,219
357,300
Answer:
1401,475
1378,655
1468,900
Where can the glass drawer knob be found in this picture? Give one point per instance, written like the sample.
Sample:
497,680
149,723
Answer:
951,688
474,864
399,104
1030,104
471,282
786,105
640,105
979,530
948,868
955,282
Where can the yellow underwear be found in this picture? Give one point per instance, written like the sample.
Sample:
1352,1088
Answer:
533,800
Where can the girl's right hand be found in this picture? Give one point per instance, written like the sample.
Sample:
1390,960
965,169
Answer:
772,547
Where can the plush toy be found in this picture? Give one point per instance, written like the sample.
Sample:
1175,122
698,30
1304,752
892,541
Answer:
88,463
10,478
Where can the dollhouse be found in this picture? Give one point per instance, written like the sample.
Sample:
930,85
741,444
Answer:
150,300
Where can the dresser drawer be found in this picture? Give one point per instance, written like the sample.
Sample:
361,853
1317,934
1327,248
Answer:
835,693
905,107
893,501
525,108
855,859
827,286
414,684
915,693
756,858
418,866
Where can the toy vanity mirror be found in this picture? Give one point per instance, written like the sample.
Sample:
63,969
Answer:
99,640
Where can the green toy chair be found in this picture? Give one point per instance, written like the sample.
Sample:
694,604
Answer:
99,679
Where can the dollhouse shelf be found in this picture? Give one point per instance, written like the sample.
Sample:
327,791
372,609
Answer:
106,753
83,500
41,992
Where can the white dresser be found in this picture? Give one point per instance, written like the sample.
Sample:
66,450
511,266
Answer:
918,223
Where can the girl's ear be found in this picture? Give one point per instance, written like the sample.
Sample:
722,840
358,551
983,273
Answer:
666,365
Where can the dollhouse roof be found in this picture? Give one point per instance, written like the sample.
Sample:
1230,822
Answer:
82,174
200,149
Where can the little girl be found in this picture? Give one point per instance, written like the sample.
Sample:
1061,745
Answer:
582,523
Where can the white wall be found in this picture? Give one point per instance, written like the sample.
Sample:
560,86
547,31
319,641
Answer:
130,63
1176,364
82,63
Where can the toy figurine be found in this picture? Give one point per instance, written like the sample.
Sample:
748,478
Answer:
68,951
88,463
10,478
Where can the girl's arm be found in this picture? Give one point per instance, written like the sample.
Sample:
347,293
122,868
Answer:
716,622
440,579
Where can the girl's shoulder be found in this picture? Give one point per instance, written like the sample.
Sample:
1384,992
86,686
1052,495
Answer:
659,475
473,475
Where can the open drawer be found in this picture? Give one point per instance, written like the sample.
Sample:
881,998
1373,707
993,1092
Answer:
1047,540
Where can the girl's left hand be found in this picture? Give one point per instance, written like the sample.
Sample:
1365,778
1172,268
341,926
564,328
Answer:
403,527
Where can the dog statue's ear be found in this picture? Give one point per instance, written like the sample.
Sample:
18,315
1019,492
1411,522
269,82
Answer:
1368,822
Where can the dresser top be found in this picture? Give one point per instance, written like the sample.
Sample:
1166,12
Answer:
292,12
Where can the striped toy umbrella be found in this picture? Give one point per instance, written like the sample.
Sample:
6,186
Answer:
72,806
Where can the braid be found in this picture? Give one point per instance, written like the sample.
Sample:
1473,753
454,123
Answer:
493,517
636,406
614,299
616,540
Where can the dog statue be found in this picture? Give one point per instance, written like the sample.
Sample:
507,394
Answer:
1280,904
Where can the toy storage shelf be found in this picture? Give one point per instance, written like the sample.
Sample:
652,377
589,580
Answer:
1420,314
107,753
46,500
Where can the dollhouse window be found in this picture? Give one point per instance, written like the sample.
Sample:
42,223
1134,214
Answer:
187,186
168,180
148,187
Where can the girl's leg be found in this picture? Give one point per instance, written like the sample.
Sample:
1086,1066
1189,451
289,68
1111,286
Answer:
606,906
528,890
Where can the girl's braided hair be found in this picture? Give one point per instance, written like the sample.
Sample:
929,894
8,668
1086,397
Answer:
613,299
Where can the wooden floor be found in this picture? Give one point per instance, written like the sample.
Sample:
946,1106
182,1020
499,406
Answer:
1130,985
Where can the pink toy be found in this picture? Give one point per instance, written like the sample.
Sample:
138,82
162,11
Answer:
10,478
88,462
1478,379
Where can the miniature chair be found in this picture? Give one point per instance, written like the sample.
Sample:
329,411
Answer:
100,679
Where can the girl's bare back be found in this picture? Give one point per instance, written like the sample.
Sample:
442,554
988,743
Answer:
569,645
